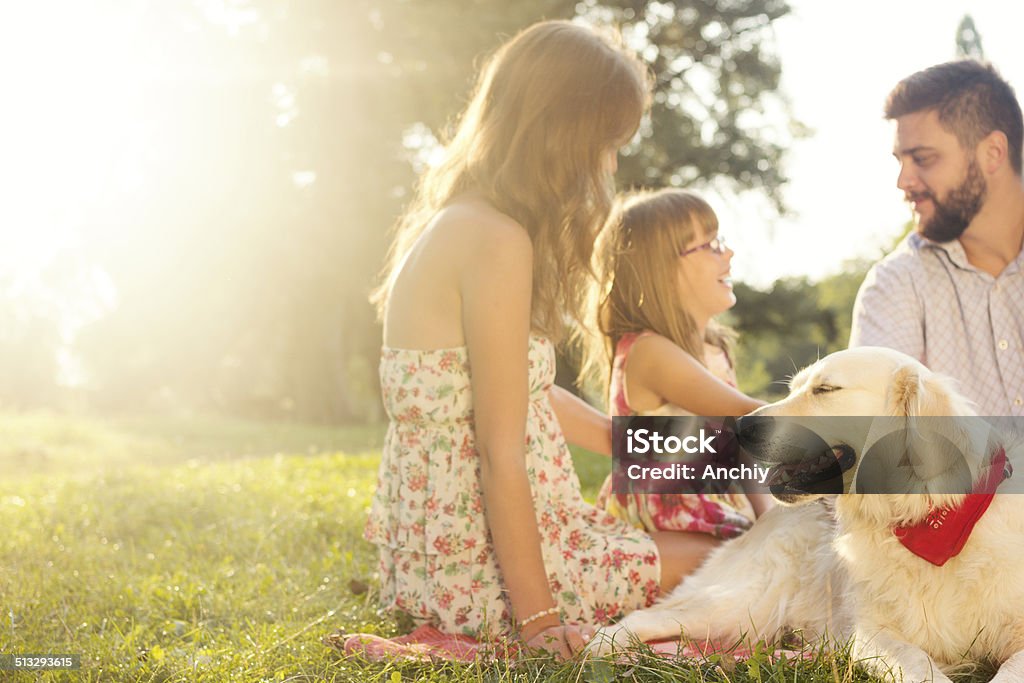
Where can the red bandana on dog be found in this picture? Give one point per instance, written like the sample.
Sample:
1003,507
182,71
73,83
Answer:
944,532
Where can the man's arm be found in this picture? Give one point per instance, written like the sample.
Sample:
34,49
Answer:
888,311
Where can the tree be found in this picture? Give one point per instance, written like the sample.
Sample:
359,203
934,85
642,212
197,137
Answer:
717,110
791,325
968,40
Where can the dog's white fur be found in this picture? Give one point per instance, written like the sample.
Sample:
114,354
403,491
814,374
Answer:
842,573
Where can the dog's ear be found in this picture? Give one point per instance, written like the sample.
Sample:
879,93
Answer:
935,443
913,393
904,389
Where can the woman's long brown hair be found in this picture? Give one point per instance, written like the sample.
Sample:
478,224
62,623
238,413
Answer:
547,108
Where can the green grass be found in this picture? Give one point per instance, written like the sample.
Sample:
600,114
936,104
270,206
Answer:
40,443
223,550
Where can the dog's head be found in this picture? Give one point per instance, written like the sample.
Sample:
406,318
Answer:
865,420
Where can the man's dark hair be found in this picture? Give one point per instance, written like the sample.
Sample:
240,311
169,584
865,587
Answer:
971,99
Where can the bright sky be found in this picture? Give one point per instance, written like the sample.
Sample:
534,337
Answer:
837,67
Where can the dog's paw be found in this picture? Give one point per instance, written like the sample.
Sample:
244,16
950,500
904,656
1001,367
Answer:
607,640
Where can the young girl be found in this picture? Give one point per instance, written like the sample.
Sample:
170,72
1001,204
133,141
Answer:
478,515
665,274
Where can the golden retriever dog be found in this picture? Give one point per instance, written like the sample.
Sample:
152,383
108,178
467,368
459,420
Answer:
922,576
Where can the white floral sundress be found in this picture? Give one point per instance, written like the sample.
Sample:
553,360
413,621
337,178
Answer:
437,561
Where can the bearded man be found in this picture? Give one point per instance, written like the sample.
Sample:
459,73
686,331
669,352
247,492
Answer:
952,294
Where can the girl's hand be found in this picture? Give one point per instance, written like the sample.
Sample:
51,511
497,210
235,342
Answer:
564,641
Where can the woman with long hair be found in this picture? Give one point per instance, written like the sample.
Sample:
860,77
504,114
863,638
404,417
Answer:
478,514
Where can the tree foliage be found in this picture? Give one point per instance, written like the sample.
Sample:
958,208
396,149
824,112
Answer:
791,325
968,40
717,110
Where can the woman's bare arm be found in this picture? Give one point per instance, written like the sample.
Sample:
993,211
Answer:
496,285
582,424
661,367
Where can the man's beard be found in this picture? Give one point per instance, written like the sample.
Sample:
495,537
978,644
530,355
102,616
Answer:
952,216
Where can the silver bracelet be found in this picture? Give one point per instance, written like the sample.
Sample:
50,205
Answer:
539,615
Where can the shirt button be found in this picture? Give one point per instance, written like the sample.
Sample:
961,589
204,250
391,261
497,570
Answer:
1018,401
1003,344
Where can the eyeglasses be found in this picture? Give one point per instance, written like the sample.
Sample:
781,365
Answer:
715,246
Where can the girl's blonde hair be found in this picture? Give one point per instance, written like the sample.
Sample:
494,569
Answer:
547,108
637,264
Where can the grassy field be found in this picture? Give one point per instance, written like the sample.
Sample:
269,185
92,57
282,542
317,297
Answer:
224,550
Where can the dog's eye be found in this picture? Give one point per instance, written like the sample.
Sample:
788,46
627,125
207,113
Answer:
824,389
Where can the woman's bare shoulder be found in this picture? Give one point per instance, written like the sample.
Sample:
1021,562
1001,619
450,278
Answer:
654,355
474,227
466,249
652,344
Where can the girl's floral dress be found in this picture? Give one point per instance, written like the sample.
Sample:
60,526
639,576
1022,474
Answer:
437,560
723,515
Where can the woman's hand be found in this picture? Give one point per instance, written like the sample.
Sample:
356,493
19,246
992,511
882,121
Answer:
564,641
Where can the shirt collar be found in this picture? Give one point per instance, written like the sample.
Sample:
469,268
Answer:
958,257
953,249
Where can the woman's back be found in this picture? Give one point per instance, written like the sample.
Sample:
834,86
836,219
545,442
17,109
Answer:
424,307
